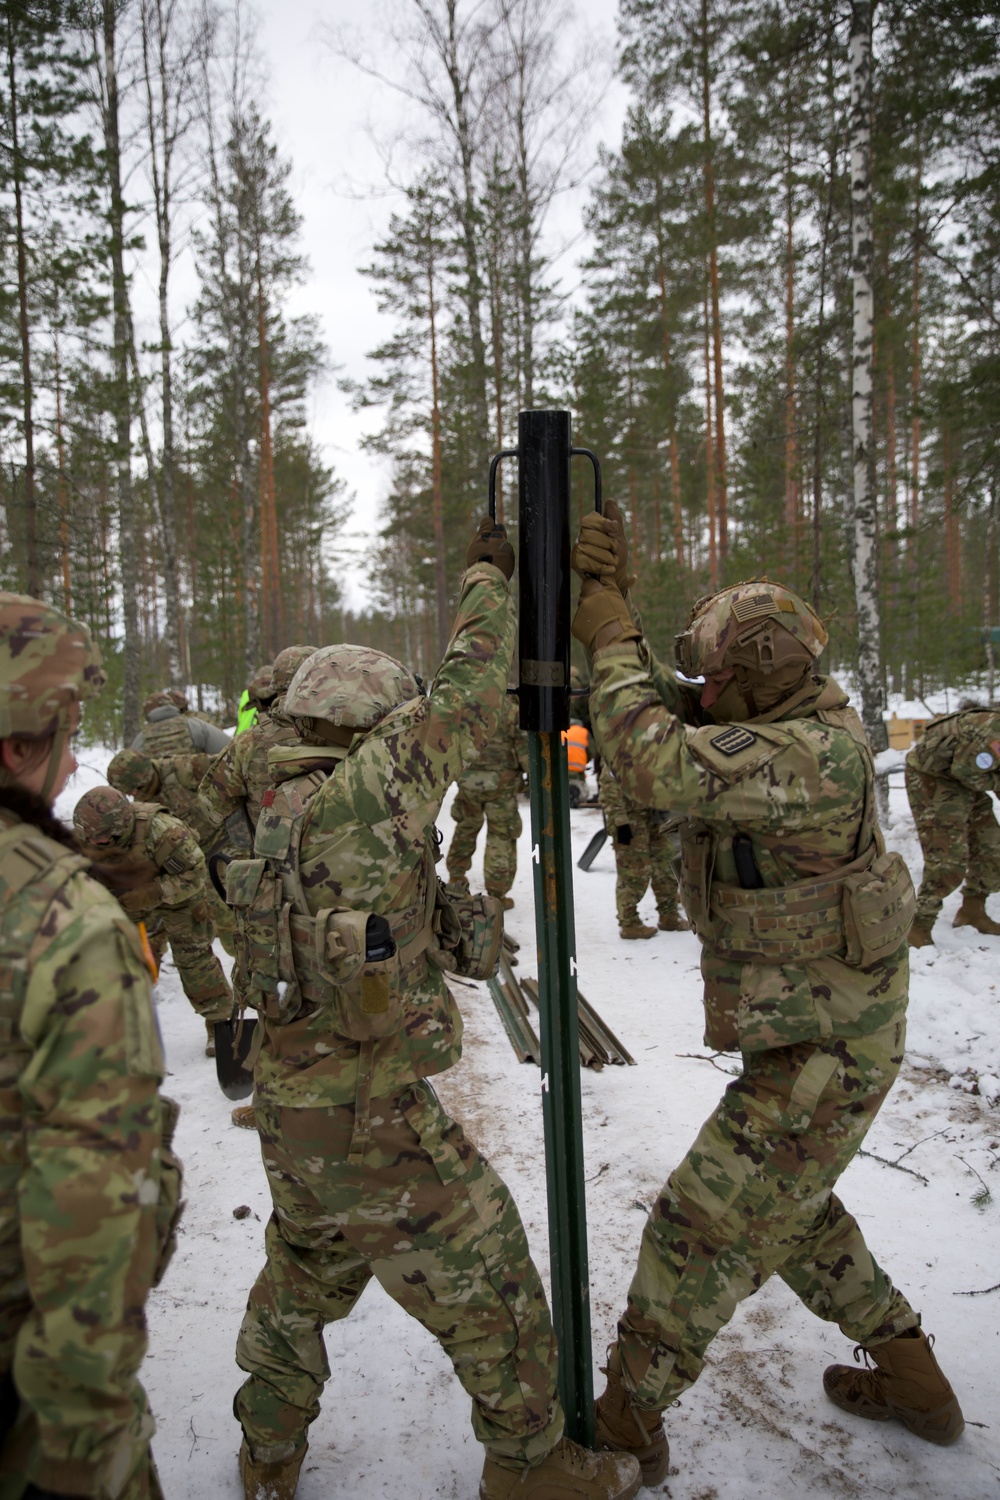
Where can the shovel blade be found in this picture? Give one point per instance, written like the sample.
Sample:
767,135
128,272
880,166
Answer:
592,850
235,1078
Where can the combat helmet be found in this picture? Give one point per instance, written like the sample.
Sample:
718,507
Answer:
260,688
762,632
132,772
48,662
352,687
286,664
166,698
103,816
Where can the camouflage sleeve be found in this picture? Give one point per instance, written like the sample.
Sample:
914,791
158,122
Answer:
679,697
88,1192
222,791
452,726
976,763
770,776
173,847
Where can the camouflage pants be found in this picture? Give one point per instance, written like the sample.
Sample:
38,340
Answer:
645,846
189,931
960,839
20,1456
754,1196
222,919
503,826
431,1220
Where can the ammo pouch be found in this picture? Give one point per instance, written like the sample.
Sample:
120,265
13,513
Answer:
878,907
260,918
362,995
467,934
694,876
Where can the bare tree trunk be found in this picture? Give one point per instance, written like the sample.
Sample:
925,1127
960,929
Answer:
713,556
437,494
273,620
675,467
791,440
122,396
162,135
63,488
989,591
30,505
865,507
915,377
713,272
952,533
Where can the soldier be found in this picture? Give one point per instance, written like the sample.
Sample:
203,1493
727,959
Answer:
232,792
89,1189
172,781
950,773
489,789
803,919
577,742
171,730
154,865
256,696
645,847
367,1174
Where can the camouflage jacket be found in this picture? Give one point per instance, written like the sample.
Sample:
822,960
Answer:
168,732
963,746
81,1171
239,776
179,777
162,865
504,762
366,844
796,788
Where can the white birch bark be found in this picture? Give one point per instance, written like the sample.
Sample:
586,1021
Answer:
865,512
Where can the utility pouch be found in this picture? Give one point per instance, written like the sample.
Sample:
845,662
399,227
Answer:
878,905
356,953
169,1203
260,919
696,869
468,934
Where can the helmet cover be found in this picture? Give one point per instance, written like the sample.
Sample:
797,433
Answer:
47,663
103,816
133,772
349,686
757,626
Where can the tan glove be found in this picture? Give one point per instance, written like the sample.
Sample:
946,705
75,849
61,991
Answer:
490,545
601,549
602,617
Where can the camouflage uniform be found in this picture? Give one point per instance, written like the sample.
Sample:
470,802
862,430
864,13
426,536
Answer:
89,1189
160,873
950,773
645,845
173,781
489,790
232,791
367,1173
780,809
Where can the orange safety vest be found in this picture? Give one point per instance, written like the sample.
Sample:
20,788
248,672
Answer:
577,742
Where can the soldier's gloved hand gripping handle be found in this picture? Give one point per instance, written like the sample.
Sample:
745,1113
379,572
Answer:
490,545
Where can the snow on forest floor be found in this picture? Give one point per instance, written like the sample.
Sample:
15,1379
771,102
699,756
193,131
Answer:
757,1425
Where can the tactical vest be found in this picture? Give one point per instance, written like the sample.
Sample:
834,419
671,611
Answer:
292,963
167,737
179,779
859,915
934,751
33,870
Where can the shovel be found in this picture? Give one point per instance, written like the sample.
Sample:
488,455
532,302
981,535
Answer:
234,1040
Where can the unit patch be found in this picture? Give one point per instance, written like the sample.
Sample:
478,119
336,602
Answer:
984,760
734,740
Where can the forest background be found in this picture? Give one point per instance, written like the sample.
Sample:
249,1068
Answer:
170,489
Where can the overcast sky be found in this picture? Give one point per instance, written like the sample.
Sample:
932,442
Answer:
323,111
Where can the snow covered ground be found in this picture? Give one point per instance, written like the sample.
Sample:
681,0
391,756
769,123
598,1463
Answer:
756,1426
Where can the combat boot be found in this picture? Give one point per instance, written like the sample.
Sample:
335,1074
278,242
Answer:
506,902
243,1116
636,929
569,1472
625,1427
672,921
920,936
972,913
275,1481
906,1383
